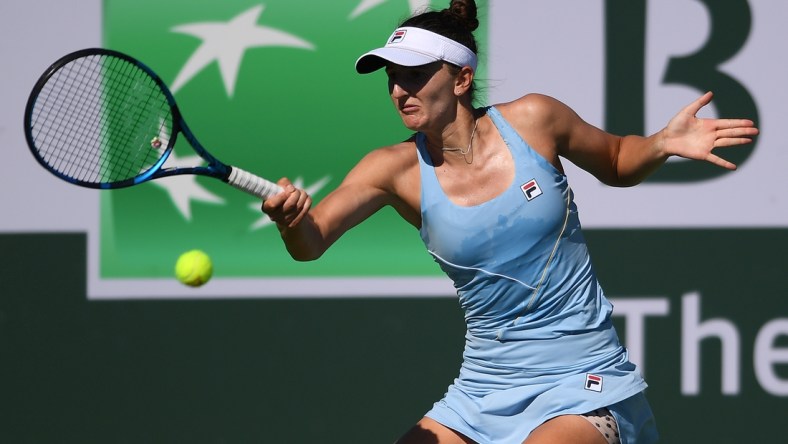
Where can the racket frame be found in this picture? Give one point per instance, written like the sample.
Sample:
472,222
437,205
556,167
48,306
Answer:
215,168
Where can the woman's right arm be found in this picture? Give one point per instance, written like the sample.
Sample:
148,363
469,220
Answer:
308,232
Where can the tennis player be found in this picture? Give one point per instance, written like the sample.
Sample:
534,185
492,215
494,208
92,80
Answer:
486,189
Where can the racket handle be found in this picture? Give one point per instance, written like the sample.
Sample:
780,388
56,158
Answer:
254,185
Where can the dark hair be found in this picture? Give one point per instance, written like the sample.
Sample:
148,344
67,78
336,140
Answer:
456,22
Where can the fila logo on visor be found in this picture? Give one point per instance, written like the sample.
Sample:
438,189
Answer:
593,383
531,190
397,36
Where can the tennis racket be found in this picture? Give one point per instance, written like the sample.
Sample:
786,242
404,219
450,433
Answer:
102,119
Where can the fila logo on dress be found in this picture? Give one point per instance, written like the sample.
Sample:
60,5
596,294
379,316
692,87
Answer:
593,383
531,190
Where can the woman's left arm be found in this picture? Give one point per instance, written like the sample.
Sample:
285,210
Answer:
627,160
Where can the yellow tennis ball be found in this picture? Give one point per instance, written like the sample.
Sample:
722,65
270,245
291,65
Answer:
194,268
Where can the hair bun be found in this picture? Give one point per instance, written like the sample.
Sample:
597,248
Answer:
465,10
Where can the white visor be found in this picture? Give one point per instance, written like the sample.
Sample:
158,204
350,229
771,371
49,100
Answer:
415,47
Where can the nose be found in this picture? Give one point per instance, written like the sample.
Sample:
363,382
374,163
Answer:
396,90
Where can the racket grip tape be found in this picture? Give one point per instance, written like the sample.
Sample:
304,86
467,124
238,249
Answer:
254,185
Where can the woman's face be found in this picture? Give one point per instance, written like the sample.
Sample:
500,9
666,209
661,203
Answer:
423,95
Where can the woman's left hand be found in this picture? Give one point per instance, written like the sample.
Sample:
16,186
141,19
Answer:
695,138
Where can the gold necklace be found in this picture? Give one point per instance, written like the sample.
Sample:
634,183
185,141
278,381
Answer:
468,150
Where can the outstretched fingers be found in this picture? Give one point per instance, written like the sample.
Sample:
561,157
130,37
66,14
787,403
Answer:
719,161
737,125
696,106
733,132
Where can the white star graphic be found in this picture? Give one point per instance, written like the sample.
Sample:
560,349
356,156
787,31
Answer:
366,5
184,189
226,43
313,189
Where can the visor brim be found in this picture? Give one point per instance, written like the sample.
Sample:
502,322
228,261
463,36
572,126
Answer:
377,58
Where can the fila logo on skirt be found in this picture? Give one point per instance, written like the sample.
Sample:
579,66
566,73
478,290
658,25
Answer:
593,383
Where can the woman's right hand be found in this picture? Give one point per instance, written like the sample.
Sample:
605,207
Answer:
289,207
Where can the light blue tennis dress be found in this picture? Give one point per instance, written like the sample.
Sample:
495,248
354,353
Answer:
539,341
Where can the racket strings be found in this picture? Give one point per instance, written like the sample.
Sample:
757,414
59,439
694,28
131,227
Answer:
123,121
95,119
63,116
74,111
130,121
137,112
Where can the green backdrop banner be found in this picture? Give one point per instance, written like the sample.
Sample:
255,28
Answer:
271,88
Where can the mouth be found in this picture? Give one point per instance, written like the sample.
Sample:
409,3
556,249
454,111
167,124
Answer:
406,108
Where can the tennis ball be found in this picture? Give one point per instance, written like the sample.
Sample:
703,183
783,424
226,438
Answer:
194,268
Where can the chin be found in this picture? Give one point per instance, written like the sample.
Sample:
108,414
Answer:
411,127
411,122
